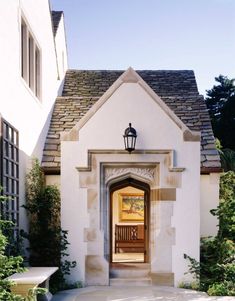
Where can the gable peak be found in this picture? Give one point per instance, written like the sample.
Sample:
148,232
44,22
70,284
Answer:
130,76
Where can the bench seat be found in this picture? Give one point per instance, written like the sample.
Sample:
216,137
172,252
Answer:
31,279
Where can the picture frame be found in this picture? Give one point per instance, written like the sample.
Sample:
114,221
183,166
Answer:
131,207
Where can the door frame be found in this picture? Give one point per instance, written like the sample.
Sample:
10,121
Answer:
139,185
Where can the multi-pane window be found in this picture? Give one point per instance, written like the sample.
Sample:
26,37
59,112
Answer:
10,172
30,60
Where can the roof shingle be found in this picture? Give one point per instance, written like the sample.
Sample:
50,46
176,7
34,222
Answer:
93,83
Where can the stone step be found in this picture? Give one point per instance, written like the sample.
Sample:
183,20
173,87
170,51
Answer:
146,281
129,272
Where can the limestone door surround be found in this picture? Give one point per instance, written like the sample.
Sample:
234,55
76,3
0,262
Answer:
154,168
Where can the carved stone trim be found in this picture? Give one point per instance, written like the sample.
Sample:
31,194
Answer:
92,153
143,172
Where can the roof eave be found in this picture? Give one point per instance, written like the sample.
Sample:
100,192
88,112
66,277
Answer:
208,170
51,170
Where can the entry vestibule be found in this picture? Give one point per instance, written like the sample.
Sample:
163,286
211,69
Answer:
166,157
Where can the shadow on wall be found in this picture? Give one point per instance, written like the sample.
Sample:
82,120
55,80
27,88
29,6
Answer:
38,149
24,164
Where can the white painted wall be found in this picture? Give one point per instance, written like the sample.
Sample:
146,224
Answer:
18,104
74,215
209,200
104,130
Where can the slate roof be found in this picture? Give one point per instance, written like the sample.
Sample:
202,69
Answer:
56,17
178,89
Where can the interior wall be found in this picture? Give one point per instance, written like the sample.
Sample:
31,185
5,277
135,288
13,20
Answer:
115,200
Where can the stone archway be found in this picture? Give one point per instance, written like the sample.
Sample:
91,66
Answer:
154,169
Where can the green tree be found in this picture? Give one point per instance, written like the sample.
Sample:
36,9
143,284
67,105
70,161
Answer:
221,106
48,242
219,94
227,157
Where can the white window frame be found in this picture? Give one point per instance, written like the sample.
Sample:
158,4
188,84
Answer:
30,59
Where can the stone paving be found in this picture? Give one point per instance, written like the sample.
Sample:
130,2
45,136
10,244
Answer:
132,293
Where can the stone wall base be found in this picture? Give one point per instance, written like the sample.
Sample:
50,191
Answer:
165,279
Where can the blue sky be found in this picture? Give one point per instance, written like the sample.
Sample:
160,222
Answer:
152,34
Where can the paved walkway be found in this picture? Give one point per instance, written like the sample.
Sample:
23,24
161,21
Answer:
131,293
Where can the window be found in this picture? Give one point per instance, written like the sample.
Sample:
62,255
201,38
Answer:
30,60
9,171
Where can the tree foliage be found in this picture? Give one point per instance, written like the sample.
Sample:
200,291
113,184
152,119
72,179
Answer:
221,106
48,242
227,157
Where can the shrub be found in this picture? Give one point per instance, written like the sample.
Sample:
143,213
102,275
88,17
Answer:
8,264
225,288
194,285
216,269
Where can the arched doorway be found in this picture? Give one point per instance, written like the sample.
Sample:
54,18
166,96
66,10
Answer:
129,221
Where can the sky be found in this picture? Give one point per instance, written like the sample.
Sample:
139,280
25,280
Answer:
152,34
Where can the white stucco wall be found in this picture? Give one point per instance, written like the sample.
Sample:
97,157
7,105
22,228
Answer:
209,200
18,104
156,131
186,218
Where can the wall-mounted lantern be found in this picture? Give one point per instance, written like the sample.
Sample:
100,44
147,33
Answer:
130,138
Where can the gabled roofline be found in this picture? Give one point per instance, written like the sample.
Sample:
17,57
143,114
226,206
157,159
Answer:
130,76
52,31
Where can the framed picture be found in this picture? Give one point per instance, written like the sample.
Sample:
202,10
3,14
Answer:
131,207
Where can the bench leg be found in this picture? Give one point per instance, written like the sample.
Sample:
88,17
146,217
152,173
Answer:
48,296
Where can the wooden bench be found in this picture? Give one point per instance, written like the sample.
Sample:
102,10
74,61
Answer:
31,279
129,238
